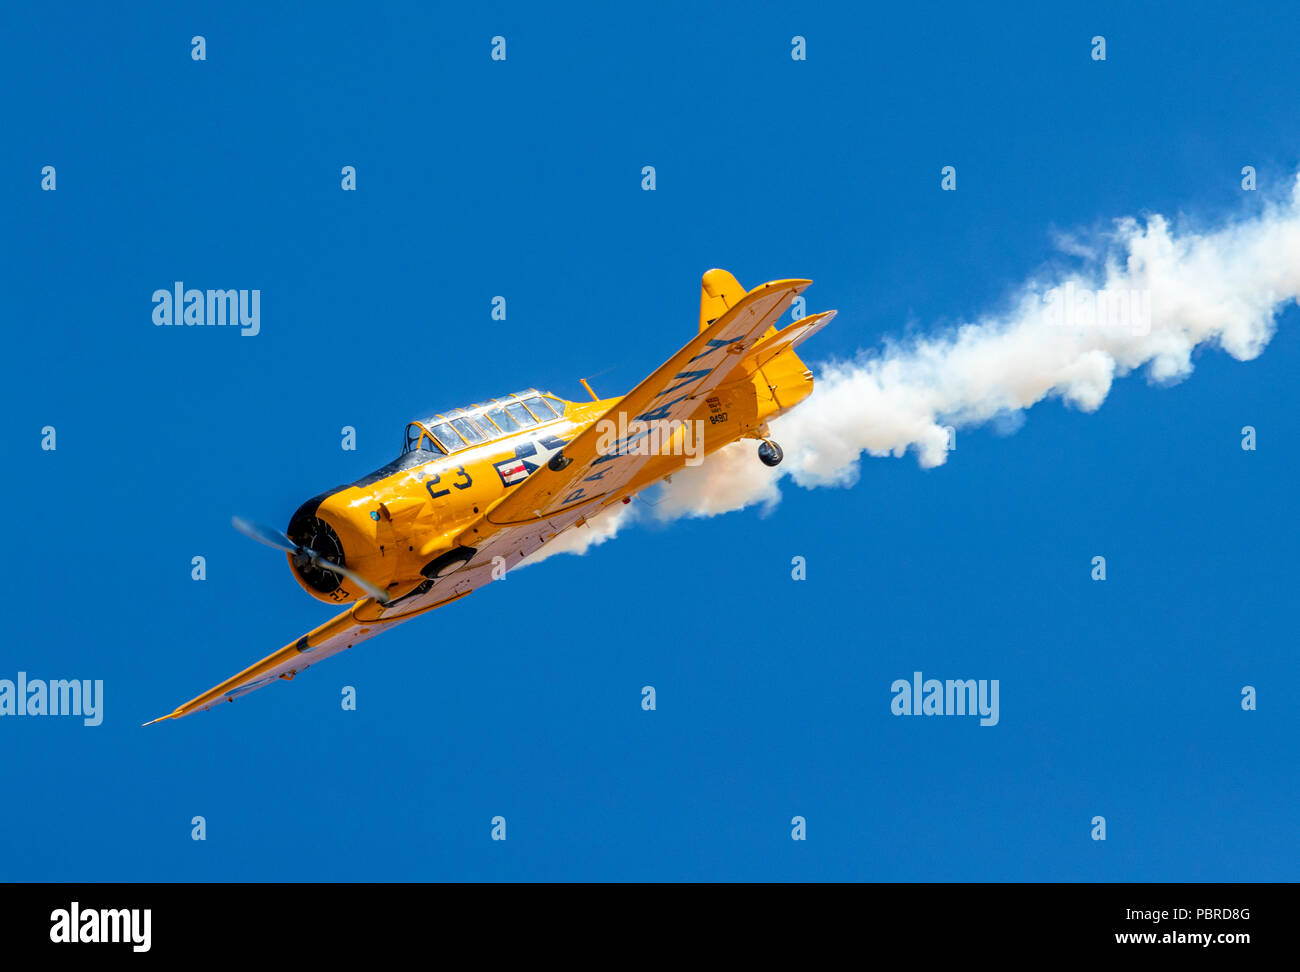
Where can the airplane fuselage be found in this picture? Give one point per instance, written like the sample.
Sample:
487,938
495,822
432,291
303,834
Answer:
398,526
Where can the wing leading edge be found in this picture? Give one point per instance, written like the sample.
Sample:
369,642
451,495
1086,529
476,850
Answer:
335,635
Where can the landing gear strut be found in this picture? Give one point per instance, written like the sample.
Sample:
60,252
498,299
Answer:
770,454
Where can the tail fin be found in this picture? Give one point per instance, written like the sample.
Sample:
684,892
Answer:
719,292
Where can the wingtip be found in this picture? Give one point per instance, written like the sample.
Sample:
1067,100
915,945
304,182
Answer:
169,715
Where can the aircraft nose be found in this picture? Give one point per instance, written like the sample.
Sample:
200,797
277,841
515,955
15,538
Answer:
307,528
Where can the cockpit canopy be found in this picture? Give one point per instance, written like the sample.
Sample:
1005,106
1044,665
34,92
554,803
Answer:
465,427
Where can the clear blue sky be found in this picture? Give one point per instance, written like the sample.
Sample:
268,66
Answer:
522,178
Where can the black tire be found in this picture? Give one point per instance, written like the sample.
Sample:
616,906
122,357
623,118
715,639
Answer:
769,453
448,563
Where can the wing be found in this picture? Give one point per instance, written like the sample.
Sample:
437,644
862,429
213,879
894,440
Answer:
599,467
504,549
336,635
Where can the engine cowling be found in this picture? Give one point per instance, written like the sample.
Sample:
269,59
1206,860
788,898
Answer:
309,530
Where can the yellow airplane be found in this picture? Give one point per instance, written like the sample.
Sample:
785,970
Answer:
477,490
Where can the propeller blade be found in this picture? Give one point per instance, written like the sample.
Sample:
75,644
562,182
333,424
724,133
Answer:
377,593
264,535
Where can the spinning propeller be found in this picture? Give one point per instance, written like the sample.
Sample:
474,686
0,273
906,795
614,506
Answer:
274,538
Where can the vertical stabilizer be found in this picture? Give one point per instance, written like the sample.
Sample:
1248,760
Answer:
719,292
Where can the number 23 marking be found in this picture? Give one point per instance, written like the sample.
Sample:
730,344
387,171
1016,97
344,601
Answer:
436,493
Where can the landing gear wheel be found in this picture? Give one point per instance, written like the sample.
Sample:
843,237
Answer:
449,562
770,454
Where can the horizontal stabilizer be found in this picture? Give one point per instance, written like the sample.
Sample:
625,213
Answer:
791,337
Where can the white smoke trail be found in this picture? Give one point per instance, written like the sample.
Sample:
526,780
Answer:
1168,293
